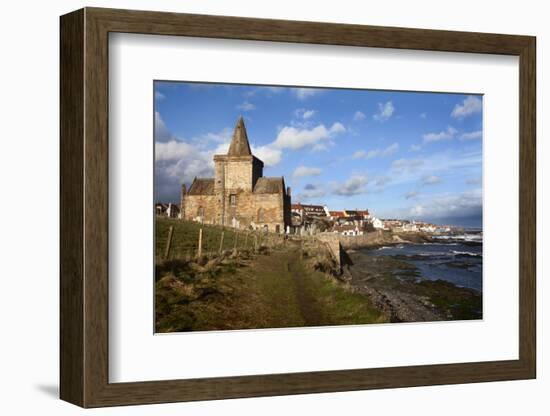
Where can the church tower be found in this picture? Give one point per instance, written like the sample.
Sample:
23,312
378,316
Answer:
238,195
235,173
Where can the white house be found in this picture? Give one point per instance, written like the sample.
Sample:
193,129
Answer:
377,223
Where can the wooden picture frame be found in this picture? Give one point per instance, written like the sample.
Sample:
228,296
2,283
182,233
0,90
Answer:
84,207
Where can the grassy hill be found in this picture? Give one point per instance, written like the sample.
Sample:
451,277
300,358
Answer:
185,238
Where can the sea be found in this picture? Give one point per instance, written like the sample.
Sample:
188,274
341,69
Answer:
457,259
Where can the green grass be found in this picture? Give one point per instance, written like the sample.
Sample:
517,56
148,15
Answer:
275,290
185,238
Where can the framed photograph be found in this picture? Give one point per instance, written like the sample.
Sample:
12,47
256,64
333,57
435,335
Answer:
255,207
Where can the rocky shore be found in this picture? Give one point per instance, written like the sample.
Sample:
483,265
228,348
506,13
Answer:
395,288
383,238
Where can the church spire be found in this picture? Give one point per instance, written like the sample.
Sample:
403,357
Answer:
239,143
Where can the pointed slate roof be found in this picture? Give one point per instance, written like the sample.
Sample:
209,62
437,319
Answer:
239,143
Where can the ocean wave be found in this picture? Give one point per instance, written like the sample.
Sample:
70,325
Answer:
465,253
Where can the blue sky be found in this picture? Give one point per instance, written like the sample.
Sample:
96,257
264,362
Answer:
400,154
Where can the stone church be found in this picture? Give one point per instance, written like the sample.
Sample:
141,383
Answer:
238,195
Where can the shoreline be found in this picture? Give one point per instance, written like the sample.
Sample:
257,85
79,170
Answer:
394,285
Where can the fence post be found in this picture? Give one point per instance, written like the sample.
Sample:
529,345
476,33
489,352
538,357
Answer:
199,251
169,241
221,242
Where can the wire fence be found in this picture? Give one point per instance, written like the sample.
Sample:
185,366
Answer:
176,239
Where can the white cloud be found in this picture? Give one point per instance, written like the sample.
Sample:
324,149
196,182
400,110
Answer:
162,134
469,106
411,195
406,165
415,147
296,138
177,162
159,96
388,151
223,136
360,154
464,205
358,116
306,171
431,180
473,135
246,106
303,113
268,154
304,93
442,135
355,185
385,111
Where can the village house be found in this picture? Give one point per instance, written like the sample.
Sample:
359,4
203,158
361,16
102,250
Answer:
167,210
305,210
377,223
335,215
349,230
238,195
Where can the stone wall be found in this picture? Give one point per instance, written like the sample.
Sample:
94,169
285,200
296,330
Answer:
332,241
209,203
238,175
255,210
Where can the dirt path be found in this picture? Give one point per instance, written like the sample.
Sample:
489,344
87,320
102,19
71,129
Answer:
307,304
276,289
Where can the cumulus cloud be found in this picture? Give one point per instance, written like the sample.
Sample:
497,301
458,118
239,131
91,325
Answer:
304,113
470,105
305,93
159,96
388,151
431,180
310,192
385,111
359,116
246,106
270,155
177,162
355,185
306,171
447,134
297,138
473,135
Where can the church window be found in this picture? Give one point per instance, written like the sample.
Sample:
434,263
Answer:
233,199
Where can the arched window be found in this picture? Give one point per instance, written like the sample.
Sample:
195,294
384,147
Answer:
200,212
260,215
